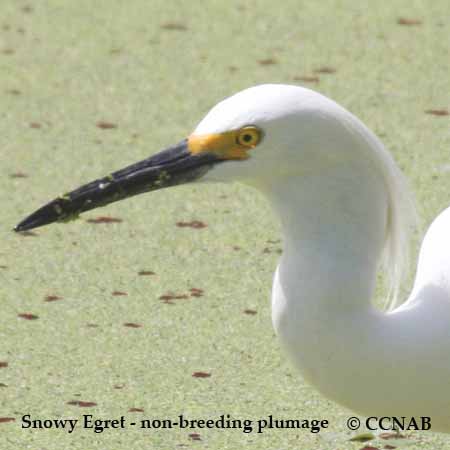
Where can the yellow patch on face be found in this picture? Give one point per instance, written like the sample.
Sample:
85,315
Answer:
233,144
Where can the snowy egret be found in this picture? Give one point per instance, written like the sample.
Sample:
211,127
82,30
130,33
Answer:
343,204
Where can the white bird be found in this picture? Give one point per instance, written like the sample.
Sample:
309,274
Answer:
343,204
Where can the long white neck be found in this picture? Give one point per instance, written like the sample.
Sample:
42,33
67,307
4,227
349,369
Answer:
334,227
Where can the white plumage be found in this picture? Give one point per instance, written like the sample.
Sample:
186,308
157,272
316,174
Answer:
342,201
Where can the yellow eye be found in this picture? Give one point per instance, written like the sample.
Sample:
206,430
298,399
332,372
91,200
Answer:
249,136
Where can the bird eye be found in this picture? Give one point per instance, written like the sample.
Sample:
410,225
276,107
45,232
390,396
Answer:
249,136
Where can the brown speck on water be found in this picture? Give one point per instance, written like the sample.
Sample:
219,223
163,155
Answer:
195,436
6,27
119,386
28,233
13,92
408,22
391,435
266,250
325,69
92,325
104,219
3,364
267,61
307,79
7,419
81,403
28,316
176,26
369,447
197,224
273,241
106,125
3,385
136,410
52,298
18,175
27,9
3,267
146,272
250,312
236,248
132,325
437,112
196,292
201,374
169,296
233,69
20,30
35,125
115,51
119,293
8,51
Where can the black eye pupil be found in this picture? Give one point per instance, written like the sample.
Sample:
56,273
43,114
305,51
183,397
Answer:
247,137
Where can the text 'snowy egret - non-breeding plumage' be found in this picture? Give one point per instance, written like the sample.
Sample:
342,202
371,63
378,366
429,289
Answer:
343,204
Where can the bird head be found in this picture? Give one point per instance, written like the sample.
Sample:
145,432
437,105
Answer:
258,134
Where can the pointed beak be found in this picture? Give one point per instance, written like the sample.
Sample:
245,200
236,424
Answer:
170,167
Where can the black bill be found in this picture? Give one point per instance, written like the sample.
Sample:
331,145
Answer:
175,165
